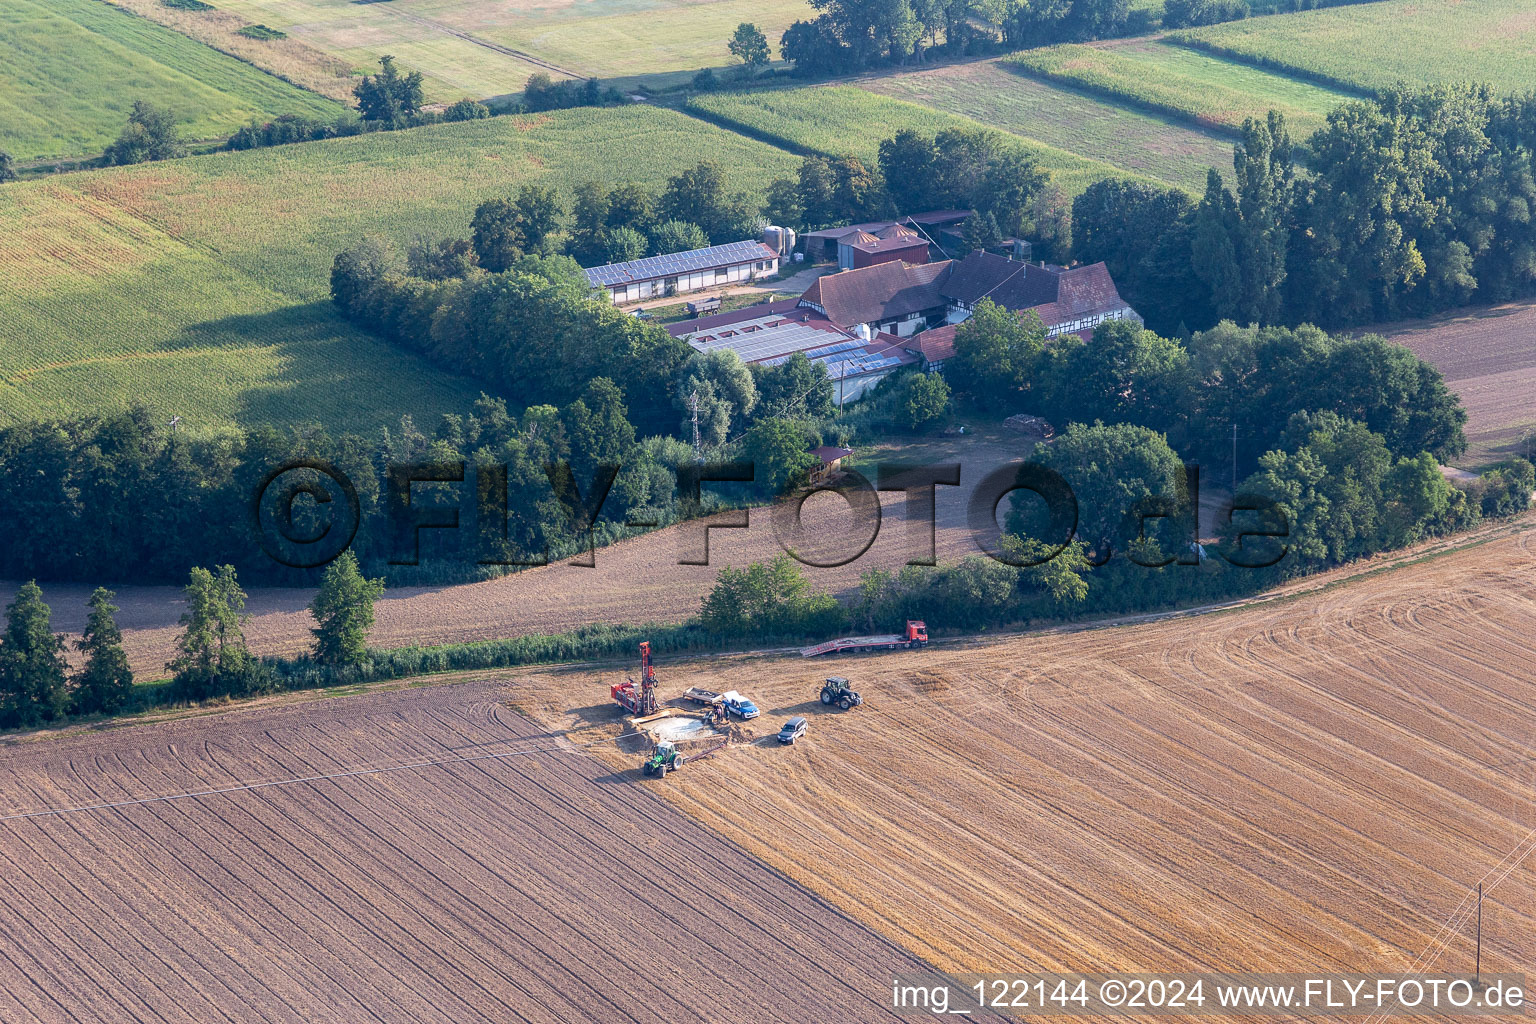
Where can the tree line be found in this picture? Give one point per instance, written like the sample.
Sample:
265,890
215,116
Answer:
1397,207
1344,435
212,658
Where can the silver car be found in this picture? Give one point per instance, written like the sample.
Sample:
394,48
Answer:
793,730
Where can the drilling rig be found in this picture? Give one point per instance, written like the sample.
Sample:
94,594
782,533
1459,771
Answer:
639,698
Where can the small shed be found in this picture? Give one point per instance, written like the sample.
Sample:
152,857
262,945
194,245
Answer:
828,459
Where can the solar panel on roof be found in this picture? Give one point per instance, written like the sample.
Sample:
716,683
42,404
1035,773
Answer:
669,264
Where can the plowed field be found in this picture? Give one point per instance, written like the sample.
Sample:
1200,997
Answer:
519,881
1309,784
1488,357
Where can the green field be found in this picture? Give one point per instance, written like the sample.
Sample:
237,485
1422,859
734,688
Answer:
460,45
71,69
843,119
201,285
995,94
1374,46
1208,90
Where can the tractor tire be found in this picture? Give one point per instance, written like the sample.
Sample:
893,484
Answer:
677,762
845,703
826,696
661,771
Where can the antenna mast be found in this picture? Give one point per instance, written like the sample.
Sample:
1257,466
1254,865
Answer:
693,406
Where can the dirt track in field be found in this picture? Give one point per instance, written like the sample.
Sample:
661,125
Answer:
638,580
1310,784
533,886
1488,357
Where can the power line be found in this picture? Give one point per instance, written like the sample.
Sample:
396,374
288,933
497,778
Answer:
274,783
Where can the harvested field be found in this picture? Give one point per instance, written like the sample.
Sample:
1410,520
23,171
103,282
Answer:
1309,784
1488,357
482,49
521,882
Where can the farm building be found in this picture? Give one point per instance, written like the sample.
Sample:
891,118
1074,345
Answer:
1069,300
887,245
933,346
827,243
893,298
681,272
771,333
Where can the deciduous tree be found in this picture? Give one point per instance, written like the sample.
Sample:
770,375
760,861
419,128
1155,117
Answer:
749,46
343,611
106,682
389,97
31,662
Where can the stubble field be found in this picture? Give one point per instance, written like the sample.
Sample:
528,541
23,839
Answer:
637,580
476,49
1311,784
515,880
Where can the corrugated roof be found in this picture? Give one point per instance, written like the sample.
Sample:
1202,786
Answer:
768,339
783,308
652,267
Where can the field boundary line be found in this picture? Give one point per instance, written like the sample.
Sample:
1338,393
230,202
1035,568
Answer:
470,37
1185,119
1191,42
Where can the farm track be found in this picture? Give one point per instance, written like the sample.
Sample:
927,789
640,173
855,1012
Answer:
533,888
1306,784
470,37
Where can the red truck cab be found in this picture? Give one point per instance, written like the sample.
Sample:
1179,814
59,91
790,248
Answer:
917,632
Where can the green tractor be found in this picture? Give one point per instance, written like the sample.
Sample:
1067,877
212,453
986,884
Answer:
838,691
664,759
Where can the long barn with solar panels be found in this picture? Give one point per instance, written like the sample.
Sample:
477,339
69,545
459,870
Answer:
681,272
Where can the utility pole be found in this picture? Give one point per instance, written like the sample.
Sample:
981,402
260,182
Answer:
1234,460
1477,970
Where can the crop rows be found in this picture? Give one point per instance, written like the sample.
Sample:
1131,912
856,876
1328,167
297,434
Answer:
74,67
218,266
463,50
845,120
1207,90
998,94
1375,46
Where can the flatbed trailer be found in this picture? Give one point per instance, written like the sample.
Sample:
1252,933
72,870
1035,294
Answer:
730,701
916,636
